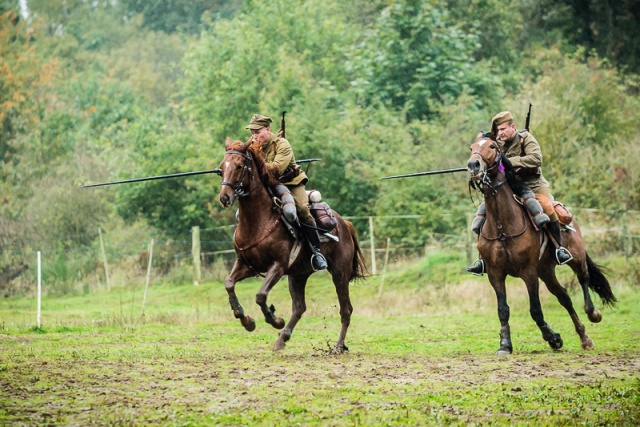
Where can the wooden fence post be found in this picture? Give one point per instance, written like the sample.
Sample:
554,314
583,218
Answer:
384,267
470,244
373,248
195,254
104,260
39,289
146,286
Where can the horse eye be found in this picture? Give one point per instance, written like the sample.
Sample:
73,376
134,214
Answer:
493,147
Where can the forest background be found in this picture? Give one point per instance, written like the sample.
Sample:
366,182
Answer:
94,91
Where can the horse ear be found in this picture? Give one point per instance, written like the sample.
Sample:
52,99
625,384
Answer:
228,142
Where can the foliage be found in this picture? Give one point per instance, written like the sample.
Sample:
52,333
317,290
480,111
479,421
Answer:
581,112
610,29
180,16
103,90
417,58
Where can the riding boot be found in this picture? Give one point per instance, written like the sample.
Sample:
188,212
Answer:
563,256
318,261
478,221
477,268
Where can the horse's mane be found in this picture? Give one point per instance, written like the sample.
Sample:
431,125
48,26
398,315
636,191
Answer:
514,182
266,175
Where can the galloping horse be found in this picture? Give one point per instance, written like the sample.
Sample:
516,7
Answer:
265,246
510,245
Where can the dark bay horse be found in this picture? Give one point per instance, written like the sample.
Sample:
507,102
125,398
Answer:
265,246
510,245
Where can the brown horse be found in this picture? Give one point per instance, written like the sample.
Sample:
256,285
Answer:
265,246
510,245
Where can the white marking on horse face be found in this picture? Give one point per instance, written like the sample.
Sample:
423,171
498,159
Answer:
226,164
481,143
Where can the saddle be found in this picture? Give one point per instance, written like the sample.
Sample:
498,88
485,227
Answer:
564,216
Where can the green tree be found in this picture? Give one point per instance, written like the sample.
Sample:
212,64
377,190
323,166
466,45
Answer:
416,59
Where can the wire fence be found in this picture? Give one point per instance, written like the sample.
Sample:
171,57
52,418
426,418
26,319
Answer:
122,258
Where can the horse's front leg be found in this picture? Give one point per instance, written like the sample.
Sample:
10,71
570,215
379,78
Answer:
273,275
239,272
498,284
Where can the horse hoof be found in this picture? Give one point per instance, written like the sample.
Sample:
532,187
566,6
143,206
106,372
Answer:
556,342
278,323
248,323
339,349
595,316
503,352
588,344
279,345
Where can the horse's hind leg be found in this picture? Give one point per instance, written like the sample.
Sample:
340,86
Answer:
582,272
535,309
549,278
297,285
239,272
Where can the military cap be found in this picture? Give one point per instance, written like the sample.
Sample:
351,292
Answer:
501,118
258,121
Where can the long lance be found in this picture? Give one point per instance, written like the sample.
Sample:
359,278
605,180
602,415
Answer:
174,175
426,173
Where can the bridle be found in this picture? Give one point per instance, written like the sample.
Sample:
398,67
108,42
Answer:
483,182
238,188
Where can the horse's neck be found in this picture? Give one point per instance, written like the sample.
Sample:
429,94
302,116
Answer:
255,208
502,209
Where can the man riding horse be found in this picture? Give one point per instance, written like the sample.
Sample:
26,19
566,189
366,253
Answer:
525,155
279,158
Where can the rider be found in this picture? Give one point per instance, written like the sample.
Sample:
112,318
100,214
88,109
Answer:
525,155
278,156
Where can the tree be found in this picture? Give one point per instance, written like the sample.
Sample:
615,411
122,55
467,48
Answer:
416,59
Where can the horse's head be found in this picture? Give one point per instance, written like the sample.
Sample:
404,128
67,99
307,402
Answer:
485,161
236,172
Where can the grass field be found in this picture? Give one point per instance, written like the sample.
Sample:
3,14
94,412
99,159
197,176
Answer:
421,352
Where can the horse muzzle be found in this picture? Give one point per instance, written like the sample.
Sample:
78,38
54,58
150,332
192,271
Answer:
227,199
475,168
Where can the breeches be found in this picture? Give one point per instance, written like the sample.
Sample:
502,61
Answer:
546,192
302,202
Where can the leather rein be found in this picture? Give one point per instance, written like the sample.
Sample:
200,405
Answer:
485,185
239,190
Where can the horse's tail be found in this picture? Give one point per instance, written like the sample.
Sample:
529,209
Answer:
599,283
359,268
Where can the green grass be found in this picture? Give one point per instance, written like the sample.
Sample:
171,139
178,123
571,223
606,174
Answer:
420,354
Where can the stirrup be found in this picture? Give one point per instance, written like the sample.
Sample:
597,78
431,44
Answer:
477,268
318,262
331,237
563,253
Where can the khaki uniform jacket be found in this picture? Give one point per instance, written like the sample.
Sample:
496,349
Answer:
524,153
278,155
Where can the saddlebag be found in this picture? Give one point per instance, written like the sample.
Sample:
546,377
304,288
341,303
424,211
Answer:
564,216
323,216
